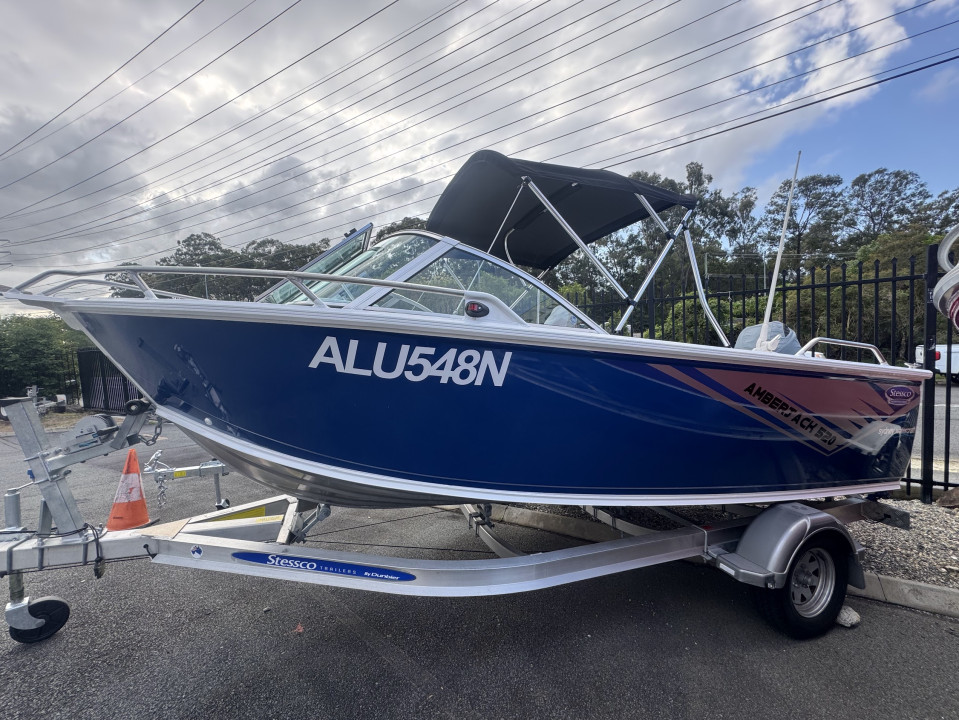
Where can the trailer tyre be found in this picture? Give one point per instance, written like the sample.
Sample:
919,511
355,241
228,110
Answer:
52,610
807,606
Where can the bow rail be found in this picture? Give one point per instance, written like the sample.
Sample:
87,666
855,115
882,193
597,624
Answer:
136,272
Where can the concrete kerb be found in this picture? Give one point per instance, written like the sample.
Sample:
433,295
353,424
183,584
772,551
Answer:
908,593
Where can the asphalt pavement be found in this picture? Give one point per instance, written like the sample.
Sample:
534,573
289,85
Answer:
673,641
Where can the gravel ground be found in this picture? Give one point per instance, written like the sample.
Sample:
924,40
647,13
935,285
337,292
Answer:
928,552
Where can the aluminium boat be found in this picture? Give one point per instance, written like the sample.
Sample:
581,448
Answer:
433,366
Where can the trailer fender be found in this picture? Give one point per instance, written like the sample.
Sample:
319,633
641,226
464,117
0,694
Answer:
768,546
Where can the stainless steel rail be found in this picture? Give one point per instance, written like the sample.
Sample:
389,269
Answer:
136,272
846,343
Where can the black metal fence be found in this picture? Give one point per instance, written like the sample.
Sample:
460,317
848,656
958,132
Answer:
886,306
103,386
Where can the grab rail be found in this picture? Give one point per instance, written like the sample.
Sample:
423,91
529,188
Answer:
135,272
846,343
501,312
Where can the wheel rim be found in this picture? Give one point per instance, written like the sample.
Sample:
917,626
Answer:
813,582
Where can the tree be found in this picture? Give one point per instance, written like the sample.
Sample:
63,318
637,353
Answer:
884,201
33,350
746,250
895,249
631,252
206,250
407,223
817,221
711,222
943,212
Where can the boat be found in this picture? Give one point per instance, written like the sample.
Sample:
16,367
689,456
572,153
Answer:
945,296
435,366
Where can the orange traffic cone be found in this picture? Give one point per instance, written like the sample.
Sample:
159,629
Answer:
129,506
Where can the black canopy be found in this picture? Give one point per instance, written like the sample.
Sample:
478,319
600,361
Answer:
595,203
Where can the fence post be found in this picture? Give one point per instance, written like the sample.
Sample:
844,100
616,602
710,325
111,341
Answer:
929,386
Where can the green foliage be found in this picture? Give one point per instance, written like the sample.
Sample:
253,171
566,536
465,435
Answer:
831,222
407,223
881,202
684,320
818,220
33,351
205,250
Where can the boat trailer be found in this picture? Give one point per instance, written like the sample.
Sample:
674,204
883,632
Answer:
799,556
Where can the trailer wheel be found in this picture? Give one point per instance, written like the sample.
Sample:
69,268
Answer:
807,606
52,610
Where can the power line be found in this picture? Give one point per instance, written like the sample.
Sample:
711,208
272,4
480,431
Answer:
654,152
156,143
219,135
774,115
136,112
87,93
128,86
473,98
221,234
193,122
645,106
664,149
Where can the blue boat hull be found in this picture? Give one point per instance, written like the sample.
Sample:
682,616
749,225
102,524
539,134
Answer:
353,416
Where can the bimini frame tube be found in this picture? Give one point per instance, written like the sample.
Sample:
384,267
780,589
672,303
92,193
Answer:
659,261
576,238
700,292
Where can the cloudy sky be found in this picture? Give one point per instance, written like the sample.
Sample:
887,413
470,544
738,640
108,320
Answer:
125,126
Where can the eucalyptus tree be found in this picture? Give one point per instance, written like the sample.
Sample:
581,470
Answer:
818,222
747,252
885,201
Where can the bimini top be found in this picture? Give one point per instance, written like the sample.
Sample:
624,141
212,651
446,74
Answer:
595,203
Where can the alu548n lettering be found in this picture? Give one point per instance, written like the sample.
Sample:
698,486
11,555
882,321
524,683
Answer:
416,363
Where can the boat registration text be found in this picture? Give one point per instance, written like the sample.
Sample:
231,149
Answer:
415,363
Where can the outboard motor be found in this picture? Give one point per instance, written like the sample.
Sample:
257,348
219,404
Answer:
788,340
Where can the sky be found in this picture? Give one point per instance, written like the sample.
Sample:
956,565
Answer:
125,127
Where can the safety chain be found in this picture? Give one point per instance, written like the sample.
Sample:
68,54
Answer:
157,429
155,465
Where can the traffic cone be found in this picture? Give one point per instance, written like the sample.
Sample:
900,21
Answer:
129,506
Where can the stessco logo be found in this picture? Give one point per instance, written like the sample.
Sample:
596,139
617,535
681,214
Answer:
329,567
899,395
